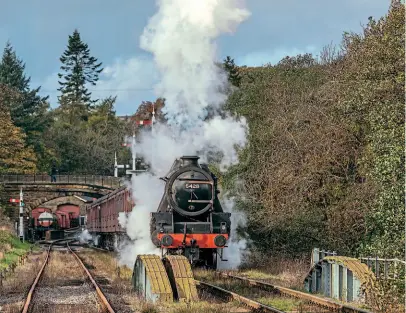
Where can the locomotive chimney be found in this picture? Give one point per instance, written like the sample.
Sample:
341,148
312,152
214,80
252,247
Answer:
190,160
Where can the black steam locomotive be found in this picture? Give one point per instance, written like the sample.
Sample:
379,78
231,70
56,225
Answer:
190,220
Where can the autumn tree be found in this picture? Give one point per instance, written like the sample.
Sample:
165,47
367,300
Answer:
29,111
15,157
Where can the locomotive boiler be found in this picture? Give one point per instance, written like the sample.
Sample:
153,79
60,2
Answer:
190,220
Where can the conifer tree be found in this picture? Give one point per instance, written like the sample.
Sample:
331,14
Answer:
28,111
79,68
232,70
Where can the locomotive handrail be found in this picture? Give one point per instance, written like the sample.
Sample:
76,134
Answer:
96,180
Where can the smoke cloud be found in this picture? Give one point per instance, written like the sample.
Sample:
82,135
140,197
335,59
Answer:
181,37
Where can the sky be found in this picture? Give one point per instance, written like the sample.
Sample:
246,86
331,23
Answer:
39,30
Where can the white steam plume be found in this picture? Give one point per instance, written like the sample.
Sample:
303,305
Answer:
85,236
181,38
237,247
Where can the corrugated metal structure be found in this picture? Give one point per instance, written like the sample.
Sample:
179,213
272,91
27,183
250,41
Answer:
181,277
338,277
150,279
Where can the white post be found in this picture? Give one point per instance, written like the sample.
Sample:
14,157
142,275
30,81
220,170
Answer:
115,165
153,117
133,152
21,215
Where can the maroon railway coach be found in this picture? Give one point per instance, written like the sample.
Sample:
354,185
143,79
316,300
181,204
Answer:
102,217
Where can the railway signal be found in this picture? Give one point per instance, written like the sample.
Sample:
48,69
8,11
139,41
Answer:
21,215
134,154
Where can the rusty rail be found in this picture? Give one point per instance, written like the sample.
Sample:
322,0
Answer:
99,292
248,302
34,284
297,294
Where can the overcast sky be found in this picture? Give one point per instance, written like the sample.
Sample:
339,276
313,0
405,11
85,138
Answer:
39,29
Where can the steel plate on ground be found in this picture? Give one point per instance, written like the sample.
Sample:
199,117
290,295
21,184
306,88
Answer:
151,280
181,277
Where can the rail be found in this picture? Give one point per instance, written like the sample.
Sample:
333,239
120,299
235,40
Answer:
95,180
99,292
323,302
35,283
30,294
248,302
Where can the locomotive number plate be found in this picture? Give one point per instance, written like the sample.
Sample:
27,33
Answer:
192,186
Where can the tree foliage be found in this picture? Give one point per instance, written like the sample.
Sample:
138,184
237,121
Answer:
372,99
29,111
325,161
15,157
80,68
232,71
88,146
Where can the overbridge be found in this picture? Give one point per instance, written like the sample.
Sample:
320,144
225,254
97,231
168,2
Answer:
38,188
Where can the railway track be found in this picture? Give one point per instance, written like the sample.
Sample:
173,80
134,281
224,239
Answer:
310,303
65,294
229,295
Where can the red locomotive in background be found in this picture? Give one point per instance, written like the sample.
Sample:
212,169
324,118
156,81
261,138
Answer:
43,219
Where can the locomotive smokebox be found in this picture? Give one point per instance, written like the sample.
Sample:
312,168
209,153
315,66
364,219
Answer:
190,160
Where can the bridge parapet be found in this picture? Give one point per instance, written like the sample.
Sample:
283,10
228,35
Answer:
110,182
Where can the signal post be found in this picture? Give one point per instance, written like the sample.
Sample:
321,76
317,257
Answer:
20,201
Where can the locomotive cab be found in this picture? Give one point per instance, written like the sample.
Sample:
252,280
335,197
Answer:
190,220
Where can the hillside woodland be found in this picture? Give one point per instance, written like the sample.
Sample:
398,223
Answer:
325,161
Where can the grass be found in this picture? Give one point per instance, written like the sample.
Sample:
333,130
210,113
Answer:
62,264
283,304
12,248
285,272
265,297
15,286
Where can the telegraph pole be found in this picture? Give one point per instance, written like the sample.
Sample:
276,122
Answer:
21,215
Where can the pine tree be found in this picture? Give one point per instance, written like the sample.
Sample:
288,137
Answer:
232,70
80,68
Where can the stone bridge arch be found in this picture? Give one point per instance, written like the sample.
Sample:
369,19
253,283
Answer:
38,189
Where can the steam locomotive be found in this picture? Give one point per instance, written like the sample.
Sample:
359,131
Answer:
190,220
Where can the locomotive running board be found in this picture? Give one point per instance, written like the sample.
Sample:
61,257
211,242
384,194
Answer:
164,280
